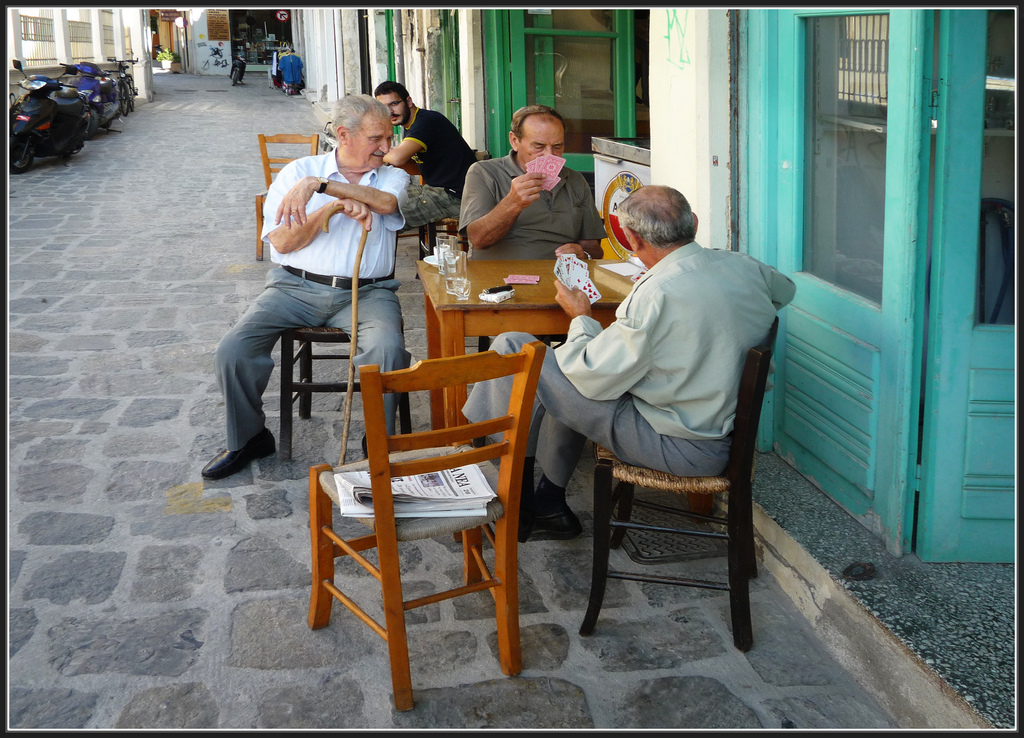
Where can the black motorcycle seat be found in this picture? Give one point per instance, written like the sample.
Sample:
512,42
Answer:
67,93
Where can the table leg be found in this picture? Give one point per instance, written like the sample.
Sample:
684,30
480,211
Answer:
433,352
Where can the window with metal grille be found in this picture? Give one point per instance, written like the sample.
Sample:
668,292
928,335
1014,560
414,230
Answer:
34,28
864,64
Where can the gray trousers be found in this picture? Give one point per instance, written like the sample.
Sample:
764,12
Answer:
243,360
563,420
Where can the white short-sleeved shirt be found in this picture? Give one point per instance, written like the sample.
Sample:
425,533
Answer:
333,253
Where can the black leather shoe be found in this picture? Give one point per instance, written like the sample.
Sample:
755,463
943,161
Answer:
227,463
561,525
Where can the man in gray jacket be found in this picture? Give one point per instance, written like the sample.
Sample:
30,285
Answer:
658,386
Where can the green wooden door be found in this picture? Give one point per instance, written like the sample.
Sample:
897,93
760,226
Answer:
968,490
578,61
842,121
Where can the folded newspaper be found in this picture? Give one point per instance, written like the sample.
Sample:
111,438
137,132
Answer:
462,491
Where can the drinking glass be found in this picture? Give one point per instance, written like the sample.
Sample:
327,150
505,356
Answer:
454,264
462,288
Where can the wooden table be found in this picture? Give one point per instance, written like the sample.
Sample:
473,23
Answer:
450,322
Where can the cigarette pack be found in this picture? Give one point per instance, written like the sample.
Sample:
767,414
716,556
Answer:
497,296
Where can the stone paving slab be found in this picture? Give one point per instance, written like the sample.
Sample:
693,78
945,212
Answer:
142,597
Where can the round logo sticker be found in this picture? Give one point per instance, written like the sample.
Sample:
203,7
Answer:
282,15
620,186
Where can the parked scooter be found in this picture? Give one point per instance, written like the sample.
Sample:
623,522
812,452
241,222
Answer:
101,94
50,119
237,69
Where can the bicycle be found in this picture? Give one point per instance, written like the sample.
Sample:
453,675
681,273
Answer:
126,90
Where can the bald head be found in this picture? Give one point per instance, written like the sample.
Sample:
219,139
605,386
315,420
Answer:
659,215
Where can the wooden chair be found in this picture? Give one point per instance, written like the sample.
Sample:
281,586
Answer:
416,453
298,346
736,481
274,164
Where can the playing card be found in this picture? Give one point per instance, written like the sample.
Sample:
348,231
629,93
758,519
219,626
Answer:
548,165
522,279
573,273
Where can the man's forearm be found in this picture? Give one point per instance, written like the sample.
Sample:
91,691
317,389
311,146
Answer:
378,201
298,236
486,231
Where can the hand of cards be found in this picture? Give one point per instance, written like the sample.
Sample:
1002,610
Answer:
548,165
572,272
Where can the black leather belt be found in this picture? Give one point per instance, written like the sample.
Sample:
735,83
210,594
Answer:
344,283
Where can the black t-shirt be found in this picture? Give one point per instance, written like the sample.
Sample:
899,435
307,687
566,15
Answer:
446,156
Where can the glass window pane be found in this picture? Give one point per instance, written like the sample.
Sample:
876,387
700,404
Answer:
844,201
996,286
574,76
570,20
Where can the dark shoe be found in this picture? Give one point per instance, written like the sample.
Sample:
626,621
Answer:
228,462
561,525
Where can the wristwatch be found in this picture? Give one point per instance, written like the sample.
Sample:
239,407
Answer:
323,185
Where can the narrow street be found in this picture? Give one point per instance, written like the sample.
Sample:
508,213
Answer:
143,597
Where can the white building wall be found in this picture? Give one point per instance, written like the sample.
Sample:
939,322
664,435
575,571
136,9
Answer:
690,116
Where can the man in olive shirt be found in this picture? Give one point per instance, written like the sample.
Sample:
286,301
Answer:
507,214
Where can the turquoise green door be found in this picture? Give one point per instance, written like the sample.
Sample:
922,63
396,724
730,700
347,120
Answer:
968,486
578,61
843,115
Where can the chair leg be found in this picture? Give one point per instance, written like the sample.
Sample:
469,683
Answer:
284,442
394,621
506,598
305,354
602,536
740,554
320,515
622,502
470,568
404,413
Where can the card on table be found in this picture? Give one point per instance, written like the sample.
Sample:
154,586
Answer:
549,165
522,279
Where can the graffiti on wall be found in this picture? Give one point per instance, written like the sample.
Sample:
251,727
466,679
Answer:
213,56
676,25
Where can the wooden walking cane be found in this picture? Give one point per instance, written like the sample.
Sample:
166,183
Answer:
353,334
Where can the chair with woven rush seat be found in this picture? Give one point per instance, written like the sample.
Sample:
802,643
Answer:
422,452
298,346
274,164
736,481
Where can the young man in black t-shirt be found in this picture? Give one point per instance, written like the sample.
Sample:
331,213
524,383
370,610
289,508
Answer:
437,148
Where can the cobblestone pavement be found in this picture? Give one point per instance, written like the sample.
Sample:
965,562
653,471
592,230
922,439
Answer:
141,596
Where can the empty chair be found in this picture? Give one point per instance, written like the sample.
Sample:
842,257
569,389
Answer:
421,452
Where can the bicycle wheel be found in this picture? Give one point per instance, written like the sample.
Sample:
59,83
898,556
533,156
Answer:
132,92
123,97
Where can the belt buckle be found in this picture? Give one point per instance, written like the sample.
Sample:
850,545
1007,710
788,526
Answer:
334,282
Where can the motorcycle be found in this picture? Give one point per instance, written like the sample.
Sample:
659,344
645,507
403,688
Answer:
102,96
237,70
50,119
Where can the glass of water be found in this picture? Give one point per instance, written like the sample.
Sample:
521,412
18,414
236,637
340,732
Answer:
460,279
454,264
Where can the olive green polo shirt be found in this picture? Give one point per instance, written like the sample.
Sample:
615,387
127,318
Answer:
565,214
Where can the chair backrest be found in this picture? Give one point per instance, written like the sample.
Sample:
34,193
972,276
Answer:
748,408
274,164
437,375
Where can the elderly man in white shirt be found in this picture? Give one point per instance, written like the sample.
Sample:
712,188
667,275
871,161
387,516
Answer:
313,284
658,386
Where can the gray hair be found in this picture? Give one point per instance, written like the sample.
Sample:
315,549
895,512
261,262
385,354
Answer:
350,111
660,215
